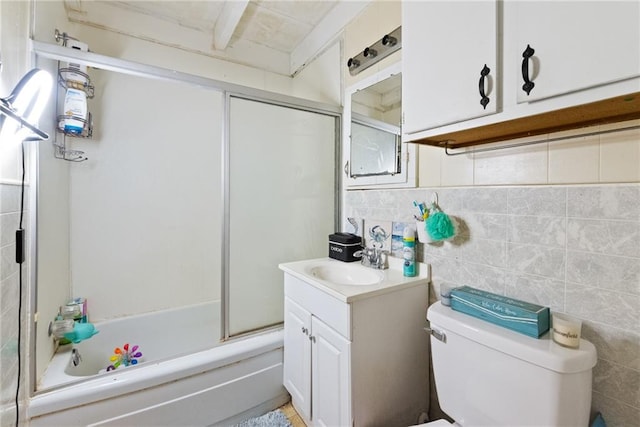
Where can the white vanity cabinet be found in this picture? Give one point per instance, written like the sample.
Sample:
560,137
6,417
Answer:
356,361
313,347
543,56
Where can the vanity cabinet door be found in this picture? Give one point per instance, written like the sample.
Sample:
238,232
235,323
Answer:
449,62
331,378
297,355
573,45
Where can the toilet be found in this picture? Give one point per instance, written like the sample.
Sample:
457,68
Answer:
486,375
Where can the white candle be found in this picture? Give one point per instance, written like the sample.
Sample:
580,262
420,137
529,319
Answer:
566,330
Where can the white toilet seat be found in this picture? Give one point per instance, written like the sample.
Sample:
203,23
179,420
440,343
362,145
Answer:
436,423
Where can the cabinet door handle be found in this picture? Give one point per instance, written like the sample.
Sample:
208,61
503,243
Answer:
346,168
312,339
305,331
528,84
484,99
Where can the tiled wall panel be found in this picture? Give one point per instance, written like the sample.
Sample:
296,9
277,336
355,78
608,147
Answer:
9,298
574,248
611,157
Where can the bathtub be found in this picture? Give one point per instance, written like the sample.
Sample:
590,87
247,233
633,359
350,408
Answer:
184,377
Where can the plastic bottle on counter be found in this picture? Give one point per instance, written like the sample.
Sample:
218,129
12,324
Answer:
409,251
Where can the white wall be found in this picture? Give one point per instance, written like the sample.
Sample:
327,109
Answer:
320,80
379,18
53,276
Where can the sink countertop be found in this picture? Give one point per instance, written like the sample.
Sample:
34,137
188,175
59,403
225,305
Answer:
392,278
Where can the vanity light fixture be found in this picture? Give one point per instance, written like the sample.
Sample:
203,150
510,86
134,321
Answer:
24,106
370,53
376,52
389,40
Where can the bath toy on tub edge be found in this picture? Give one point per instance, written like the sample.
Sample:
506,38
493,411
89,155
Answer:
124,357
81,332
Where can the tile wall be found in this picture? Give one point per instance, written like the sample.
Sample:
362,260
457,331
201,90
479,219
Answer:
612,157
9,297
575,248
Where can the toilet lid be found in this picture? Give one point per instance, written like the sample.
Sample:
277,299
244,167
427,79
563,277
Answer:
436,423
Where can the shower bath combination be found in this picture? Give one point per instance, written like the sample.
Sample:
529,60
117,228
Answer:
233,344
174,375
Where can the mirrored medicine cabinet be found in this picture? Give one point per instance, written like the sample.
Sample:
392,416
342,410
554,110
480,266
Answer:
373,152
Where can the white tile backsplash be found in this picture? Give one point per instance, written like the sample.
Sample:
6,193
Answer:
604,236
525,165
604,158
539,201
539,230
537,260
456,170
574,160
612,379
604,271
611,202
620,156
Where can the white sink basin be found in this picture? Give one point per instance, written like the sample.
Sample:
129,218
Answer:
351,281
345,274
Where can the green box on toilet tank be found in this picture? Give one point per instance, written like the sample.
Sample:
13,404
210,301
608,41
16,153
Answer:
520,316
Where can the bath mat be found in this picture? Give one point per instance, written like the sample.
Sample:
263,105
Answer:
275,418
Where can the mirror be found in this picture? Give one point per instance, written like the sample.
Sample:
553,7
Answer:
375,129
374,152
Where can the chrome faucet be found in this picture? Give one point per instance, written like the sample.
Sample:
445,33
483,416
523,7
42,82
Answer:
373,257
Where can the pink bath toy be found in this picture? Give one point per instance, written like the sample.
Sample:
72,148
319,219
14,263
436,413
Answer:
124,357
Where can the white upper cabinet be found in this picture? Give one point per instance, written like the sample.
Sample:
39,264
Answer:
554,65
449,62
578,45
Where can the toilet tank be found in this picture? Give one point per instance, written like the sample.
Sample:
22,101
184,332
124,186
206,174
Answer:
487,375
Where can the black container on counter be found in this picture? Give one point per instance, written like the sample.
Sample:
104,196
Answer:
343,246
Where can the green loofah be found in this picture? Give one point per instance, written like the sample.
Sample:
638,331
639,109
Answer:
439,226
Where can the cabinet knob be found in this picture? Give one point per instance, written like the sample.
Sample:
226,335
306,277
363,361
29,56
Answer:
484,99
312,339
305,331
528,84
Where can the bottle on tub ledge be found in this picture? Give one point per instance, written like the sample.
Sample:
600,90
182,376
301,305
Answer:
74,311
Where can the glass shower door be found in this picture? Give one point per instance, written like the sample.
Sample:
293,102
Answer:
281,203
